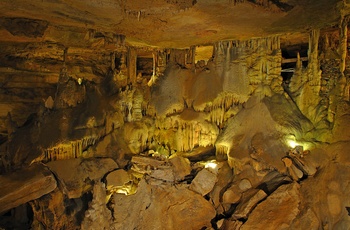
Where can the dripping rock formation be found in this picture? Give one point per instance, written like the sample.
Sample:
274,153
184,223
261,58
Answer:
164,114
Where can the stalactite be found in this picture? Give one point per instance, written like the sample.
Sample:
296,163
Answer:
132,104
248,64
137,106
299,64
185,135
119,40
221,152
132,60
313,66
113,61
343,42
69,150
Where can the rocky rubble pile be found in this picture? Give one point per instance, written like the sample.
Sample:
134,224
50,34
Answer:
169,193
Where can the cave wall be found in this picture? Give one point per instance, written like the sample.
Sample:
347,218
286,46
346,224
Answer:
130,141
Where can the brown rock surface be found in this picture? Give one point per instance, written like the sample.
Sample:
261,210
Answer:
56,211
204,182
331,201
162,207
117,179
78,175
25,185
249,200
98,216
132,81
169,23
277,211
225,176
181,167
232,196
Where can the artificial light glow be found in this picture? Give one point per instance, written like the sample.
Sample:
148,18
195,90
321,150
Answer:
211,165
292,144
122,191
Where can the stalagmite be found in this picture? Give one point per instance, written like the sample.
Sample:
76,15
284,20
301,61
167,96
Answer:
181,121
343,42
313,66
132,59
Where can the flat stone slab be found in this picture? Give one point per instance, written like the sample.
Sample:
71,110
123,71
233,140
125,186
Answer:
25,185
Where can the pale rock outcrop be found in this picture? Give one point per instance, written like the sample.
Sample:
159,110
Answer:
135,136
186,131
169,92
204,182
98,216
261,141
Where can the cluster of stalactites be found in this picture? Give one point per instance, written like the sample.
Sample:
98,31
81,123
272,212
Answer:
221,152
224,106
259,58
160,58
131,105
268,44
186,135
314,72
69,150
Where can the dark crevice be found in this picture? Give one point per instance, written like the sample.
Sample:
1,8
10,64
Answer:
86,199
281,5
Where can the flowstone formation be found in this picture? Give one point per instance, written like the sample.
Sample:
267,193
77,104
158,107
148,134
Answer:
106,135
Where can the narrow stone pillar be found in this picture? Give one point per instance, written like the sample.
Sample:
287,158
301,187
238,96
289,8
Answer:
132,62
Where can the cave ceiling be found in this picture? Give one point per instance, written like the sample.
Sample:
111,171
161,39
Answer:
164,23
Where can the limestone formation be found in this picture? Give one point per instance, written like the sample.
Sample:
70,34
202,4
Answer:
98,216
174,114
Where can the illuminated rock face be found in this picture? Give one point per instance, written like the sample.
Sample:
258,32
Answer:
100,133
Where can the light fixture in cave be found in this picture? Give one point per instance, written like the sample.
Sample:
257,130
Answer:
292,143
124,191
211,164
